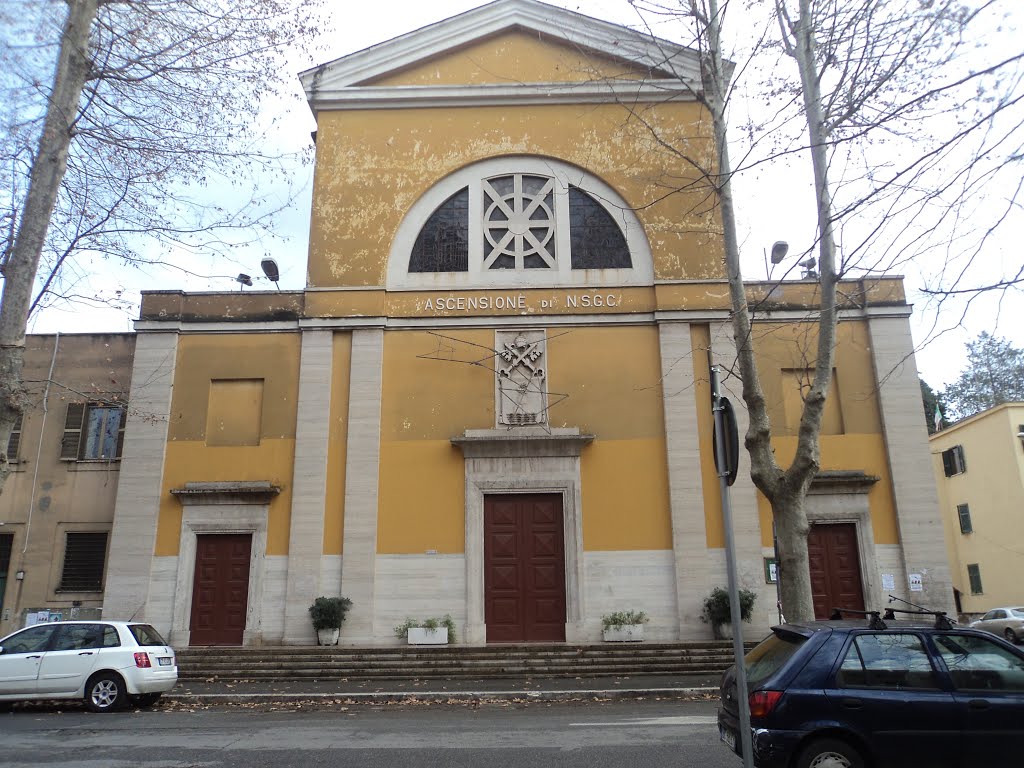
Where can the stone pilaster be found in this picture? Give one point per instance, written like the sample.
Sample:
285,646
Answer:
137,506
686,491
361,484
309,485
910,463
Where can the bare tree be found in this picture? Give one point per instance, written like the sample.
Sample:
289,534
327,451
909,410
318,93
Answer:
854,75
143,142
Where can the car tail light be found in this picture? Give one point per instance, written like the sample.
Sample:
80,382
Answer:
142,661
763,702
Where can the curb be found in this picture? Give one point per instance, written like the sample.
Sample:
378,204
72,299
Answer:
435,696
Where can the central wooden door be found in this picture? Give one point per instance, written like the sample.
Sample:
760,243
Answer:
220,590
524,568
835,568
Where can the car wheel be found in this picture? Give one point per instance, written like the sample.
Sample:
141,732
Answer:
1010,637
105,692
145,699
829,753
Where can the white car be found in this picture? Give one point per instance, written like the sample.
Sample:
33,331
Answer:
1008,622
105,663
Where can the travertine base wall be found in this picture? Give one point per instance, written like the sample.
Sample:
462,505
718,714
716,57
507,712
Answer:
637,581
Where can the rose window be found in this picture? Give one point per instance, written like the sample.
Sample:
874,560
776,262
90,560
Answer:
519,222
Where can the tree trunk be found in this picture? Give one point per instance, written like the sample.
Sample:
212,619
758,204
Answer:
48,166
791,529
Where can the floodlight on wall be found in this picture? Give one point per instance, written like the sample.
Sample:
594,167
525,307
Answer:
1020,435
243,280
809,267
269,267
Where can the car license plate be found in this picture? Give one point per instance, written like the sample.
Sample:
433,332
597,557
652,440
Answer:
164,661
728,737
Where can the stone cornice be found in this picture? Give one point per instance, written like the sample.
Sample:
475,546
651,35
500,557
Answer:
521,442
230,492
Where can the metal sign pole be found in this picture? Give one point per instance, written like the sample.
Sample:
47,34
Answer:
718,408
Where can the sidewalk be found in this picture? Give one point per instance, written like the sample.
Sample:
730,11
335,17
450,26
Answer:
453,690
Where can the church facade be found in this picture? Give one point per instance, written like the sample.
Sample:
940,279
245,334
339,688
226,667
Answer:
491,399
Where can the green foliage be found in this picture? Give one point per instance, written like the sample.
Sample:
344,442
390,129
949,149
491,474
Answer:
402,630
621,619
329,612
717,610
994,375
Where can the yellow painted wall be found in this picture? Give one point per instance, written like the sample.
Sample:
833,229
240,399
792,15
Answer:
612,378
855,418
425,403
512,57
337,445
373,164
274,358
993,488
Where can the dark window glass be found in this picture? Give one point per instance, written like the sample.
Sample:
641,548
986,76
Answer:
110,638
974,575
596,240
31,640
79,637
976,663
443,243
769,655
886,660
6,543
964,512
146,635
84,555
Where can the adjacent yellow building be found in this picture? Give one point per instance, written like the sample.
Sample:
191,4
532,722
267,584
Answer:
979,470
491,399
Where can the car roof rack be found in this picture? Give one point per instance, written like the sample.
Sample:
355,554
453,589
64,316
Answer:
877,621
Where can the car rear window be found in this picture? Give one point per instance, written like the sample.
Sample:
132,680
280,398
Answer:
770,655
146,635
1018,612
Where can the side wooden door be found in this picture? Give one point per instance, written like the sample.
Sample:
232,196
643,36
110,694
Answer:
835,568
220,590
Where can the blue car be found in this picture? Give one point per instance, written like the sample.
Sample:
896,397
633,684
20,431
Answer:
874,694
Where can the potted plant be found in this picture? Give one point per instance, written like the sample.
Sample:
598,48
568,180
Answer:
427,632
718,614
624,626
327,614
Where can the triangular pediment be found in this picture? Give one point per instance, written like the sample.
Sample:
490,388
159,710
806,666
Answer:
427,59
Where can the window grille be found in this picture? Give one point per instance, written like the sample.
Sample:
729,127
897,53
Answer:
964,513
84,556
974,575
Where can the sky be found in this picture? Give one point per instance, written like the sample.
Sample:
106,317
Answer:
777,204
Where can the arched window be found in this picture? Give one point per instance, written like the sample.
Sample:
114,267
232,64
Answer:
523,222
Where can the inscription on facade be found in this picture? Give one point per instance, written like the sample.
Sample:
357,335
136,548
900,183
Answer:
522,302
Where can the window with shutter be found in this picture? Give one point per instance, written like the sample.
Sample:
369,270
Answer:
964,513
14,443
954,461
84,556
974,575
93,432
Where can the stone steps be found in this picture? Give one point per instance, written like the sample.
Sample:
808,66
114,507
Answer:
301,663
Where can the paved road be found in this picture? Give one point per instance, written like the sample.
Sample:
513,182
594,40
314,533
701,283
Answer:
592,735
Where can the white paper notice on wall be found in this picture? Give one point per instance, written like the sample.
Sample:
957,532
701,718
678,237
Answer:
888,582
916,585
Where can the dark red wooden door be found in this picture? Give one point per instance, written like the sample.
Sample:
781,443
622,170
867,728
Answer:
220,591
835,568
524,569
